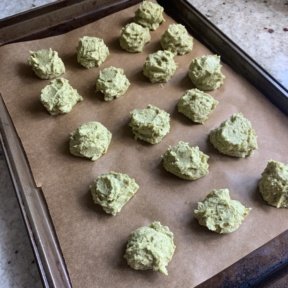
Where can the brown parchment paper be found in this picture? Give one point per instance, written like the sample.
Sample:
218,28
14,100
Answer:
92,242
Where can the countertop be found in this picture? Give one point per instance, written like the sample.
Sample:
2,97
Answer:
259,27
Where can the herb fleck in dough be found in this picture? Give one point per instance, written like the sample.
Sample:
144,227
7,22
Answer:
150,124
205,72
46,64
177,40
196,105
90,140
91,52
113,190
159,66
59,97
150,247
186,162
273,185
219,213
234,137
149,15
112,82
134,37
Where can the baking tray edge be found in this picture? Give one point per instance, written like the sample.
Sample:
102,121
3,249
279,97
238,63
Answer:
34,210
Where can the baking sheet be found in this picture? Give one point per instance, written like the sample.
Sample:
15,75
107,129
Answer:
92,242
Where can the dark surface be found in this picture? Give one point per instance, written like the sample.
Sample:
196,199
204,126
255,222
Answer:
265,267
57,18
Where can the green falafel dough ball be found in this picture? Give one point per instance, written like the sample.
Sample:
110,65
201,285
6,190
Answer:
91,52
219,213
90,140
273,185
177,40
112,82
150,124
150,247
186,162
134,37
234,137
113,190
59,97
46,63
205,72
159,66
196,105
149,15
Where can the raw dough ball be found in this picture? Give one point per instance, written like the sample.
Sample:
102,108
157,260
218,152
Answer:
150,124
150,247
186,162
196,105
273,185
134,37
177,40
59,97
205,72
160,66
91,52
149,15
46,64
234,137
90,140
112,82
113,190
219,213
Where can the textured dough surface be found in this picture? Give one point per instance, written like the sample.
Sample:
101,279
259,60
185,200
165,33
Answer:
219,213
186,162
91,52
273,185
90,140
177,40
205,72
59,97
150,124
134,37
234,137
150,247
159,66
113,190
112,82
196,105
149,15
46,63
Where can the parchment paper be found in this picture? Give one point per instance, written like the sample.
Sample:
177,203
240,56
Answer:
92,242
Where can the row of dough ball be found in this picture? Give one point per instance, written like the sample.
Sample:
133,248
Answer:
152,247
175,39
234,137
59,97
92,51
204,72
113,190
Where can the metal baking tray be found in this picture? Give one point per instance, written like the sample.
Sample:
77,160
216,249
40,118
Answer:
258,269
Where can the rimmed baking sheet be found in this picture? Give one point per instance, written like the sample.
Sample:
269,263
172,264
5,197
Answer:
80,227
